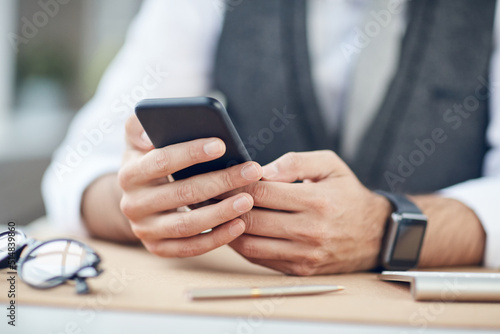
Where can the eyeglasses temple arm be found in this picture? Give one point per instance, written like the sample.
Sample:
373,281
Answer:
81,286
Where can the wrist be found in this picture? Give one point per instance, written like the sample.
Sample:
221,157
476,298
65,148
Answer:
100,210
455,235
382,210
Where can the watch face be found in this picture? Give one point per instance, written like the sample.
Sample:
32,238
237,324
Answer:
408,241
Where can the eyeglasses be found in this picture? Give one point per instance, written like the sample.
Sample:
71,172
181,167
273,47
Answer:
49,263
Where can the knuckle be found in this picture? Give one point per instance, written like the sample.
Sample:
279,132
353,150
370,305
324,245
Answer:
334,160
291,159
127,207
319,234
248,249
161,161
139,231
182,226
302,269
331,155
226,180
319,203
301,233
185,192
124,177
250,221
316,234
259,191
153,248
317,257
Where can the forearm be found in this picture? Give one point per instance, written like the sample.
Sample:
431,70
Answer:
101,210
454,233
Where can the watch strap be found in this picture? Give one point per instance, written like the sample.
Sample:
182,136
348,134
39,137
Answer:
400,203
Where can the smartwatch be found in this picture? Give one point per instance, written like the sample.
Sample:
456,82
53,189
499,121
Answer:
404,233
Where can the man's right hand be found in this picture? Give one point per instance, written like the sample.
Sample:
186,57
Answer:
155,206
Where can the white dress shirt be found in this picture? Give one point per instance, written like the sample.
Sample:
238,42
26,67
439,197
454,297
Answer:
169,52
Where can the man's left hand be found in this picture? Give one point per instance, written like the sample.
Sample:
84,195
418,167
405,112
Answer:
329,223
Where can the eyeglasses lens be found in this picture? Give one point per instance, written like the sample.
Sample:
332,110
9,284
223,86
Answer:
53,262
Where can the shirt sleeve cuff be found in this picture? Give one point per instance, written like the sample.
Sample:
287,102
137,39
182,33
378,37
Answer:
481,195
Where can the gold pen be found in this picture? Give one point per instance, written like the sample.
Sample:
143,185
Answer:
271,291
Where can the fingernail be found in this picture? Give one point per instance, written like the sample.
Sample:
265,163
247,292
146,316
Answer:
145,139
213,148
242,204
236,229
270,170
250,172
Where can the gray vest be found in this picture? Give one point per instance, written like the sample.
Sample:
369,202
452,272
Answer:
429,132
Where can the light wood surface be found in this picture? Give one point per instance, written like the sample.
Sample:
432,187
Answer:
136,280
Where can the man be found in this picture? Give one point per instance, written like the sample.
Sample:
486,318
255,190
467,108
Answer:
396,89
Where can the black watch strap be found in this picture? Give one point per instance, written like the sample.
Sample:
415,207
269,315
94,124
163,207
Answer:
404,233
400,203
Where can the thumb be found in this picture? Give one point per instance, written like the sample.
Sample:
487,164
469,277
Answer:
315,166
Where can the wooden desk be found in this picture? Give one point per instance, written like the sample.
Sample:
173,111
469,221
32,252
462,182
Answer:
137,281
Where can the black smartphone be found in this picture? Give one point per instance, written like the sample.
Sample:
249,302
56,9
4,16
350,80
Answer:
175,120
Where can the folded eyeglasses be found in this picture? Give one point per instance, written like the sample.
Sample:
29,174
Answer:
46,264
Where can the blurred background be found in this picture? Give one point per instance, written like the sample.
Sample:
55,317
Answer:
52,55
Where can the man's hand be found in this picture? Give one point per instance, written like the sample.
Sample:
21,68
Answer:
156,208
329,223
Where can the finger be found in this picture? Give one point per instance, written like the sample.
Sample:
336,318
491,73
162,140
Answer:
294,197
198,244
314,165
257,247
196,189
190,223
299,227
170,159
270,223
276,195
286,256
290,267
135,135
281,266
